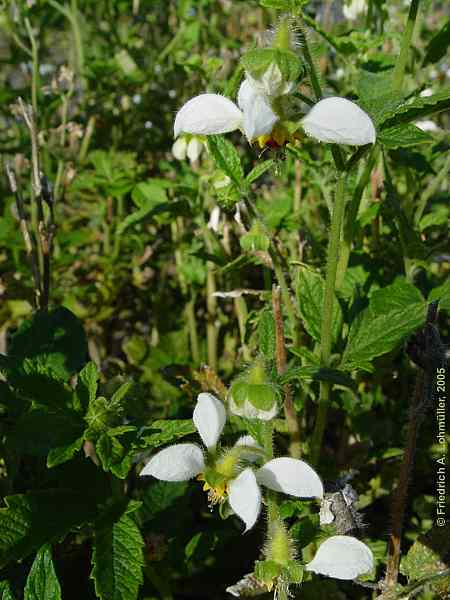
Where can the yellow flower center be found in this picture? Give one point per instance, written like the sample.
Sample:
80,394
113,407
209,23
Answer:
277,138
216,494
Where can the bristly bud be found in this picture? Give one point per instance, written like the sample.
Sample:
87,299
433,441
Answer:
252,395
272,70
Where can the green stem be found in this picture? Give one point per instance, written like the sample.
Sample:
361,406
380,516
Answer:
327,313
399,71
430,190
350,220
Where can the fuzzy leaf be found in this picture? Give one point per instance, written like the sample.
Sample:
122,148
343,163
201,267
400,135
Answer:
29,521
373,334
266,334
226,158
42,581
259,170
437,46
117,560
402,136
310,294
51,343
5,591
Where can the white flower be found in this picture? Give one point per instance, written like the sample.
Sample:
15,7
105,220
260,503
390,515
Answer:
354,9
427,125
181,462
209,114
191,149
342,557
214,219
339,121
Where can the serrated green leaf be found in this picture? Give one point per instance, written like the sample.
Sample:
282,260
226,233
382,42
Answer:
33,519
402,136
315,373
427,557
266,334
310,293
441,293
117,560
418,108
168,432
158,497
87,384
259,170
62,454
438,45
226,158
42,581
437,218
38,431
400,294
51,343
113,455
151,192
372,334
5,591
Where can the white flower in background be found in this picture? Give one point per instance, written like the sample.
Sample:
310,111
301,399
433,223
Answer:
190,148
214,219
229,478
427,125
342,557
354,9
339,121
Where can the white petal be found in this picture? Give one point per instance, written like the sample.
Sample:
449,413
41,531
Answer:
245,497
342,557
427,125
339,121
245,94
194,149
209,418
326,515
248,411
291,476
207,114
176,463
179,148
214,219
247,440
259,118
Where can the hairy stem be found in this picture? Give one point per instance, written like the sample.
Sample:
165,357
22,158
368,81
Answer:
399,71
327,313
289,410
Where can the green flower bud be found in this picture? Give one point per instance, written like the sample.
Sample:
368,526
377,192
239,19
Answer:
253,395
256,239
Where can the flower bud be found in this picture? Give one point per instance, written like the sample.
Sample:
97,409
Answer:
253,395
255,240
